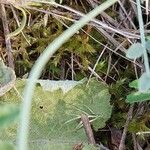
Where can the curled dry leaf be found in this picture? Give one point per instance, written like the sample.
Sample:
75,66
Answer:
7,78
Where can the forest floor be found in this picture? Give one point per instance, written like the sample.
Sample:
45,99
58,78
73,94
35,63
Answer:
97,50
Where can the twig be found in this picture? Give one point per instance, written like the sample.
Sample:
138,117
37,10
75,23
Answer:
94,22
62,65
126,14
97,61
134,142
91,70
7,39
72,66
88,129
129,117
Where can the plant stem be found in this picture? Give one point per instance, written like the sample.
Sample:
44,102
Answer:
140,18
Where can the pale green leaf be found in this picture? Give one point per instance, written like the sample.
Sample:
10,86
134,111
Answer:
89,147
6,146
8,114
143,85
134,84
137,97
64,85
147,37
135,51
144,82
7,78
148,45
56,116
48,145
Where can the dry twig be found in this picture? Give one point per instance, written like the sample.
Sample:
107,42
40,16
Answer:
88,129
129,117
7,39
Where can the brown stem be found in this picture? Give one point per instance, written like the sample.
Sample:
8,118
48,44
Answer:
7,39
88,129
122,142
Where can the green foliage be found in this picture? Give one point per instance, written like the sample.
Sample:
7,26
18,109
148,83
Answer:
39,36
102,66
134,84
135,51
78,47
137,96
7,78
148,46
6,146
8,114
56,111
118,119
137,126
117,89
48,145
144,82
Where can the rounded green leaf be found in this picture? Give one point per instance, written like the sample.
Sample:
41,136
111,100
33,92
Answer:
134,84
55,120
144,82
135,51
138,97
